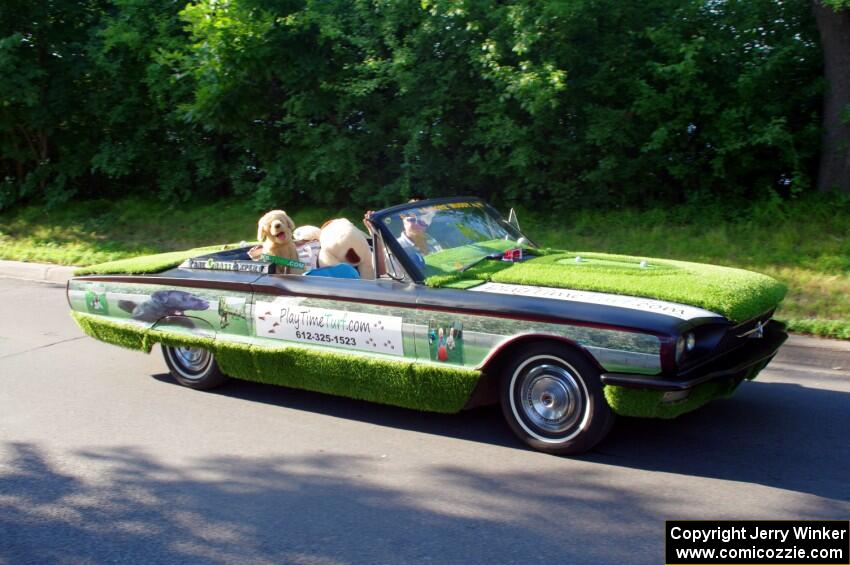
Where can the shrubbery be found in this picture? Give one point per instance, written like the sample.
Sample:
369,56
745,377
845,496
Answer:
546,103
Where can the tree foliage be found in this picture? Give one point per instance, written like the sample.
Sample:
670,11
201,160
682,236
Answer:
553,103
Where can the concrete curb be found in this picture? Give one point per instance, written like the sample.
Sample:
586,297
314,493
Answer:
836,352
36,271
817,352
797,340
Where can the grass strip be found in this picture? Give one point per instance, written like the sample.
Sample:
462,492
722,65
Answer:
419,386
836,329
148,264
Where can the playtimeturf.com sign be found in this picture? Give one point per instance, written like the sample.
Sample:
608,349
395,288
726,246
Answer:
288,320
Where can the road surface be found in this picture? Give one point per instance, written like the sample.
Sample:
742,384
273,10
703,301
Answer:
104,459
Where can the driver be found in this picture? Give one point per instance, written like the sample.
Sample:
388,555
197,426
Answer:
414,238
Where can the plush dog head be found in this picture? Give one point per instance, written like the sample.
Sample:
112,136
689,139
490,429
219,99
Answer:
342,242
306,233
276,226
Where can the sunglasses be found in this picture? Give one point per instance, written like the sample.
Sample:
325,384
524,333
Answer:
415,220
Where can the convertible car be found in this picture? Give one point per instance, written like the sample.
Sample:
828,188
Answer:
465,310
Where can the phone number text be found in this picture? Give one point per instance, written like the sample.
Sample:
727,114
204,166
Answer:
326,338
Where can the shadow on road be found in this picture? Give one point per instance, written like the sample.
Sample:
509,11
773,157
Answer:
484,425
780,435
314,509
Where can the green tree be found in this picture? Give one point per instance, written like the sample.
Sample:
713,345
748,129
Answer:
45,130
145,139
583,101
557,102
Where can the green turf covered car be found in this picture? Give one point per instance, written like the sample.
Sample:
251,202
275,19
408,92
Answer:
466,310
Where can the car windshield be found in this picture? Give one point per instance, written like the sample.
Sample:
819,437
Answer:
451,237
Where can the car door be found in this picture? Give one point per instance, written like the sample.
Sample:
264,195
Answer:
368,317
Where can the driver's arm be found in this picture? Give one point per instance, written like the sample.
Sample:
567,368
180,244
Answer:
377,245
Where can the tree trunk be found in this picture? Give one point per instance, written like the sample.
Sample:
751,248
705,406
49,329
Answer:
834,28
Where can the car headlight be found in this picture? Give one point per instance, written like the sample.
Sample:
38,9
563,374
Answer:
685,344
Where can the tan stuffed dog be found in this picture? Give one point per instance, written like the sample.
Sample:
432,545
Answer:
274,231
342,242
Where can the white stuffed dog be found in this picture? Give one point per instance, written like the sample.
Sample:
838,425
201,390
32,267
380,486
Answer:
342,242
306,233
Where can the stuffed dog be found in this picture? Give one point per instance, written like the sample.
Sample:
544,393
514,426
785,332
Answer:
307,243
306,233
274,231
342,242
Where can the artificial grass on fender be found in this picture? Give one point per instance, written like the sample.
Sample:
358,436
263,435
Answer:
117,333
401,383
737,294
645,403
147,264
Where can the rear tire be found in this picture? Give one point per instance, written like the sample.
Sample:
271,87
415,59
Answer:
193,367
552,399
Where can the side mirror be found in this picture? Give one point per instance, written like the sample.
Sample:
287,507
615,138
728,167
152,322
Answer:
512,219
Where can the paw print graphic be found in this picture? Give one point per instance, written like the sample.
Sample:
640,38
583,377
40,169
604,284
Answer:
275,325
271,331
379,325
389,344
371,342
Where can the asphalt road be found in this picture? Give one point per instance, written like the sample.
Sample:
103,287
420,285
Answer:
104,459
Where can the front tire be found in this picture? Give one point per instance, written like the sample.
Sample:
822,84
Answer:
193,367
552,399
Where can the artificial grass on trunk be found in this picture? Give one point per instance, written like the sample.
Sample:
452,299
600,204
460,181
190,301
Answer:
737,294
420,386
148,264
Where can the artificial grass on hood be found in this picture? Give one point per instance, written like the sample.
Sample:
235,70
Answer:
148,264
737,294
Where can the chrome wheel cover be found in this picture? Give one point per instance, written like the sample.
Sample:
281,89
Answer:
190,362
549,399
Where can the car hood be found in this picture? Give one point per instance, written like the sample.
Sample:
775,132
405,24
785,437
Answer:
736,294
